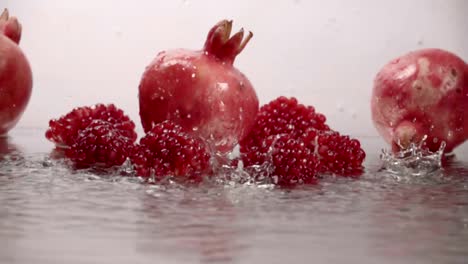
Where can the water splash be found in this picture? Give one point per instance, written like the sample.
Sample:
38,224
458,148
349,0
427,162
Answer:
414,160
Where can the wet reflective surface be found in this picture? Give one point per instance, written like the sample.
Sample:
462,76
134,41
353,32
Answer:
52,214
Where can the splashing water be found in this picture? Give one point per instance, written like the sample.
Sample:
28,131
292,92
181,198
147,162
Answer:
414,160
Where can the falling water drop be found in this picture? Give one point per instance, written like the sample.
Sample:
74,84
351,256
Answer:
117,31
340,107
420,41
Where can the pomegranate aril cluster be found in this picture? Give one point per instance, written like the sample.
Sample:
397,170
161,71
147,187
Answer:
338,154
283,116
166,150
103,136
284,126
293,162
64,130
99,135
101,144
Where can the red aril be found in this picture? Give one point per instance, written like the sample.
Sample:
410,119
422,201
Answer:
15,74
201,90
422,93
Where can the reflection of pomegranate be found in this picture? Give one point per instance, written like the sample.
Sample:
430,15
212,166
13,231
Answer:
9,152
422,93
5,147
411,219
15,74
191,222
201,90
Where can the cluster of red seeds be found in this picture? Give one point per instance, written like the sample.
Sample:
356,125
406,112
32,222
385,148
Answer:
64,130
291,137
293,162
283,116
168,151
309,138
99,135
102,135
337,154
100,144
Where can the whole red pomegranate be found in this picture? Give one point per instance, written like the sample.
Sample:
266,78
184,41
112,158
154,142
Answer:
15,74
201,90
423,93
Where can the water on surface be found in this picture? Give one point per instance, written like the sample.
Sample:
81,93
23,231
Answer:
52,214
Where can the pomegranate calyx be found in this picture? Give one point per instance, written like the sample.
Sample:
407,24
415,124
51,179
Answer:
222,45
10,27
4,16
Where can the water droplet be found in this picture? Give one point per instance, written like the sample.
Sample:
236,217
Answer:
222,86
340,108
117,31
415,160
420,41
161,98
450,134
189,116
193,75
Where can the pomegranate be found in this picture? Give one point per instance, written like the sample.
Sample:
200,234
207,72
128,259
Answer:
422,94
201,90
15,74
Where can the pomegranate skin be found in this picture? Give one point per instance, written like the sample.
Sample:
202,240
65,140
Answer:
423,93
15,74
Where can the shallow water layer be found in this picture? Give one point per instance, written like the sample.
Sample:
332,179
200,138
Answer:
52,214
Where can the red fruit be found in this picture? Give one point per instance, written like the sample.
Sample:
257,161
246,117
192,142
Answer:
422,93
281,116
337,154
293,163
168,151
201,90
15,74
101,144
64,131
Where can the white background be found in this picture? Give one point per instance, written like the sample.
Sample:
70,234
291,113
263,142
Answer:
326,53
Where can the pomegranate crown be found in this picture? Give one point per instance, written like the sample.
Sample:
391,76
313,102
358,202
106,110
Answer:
10,27
221,44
